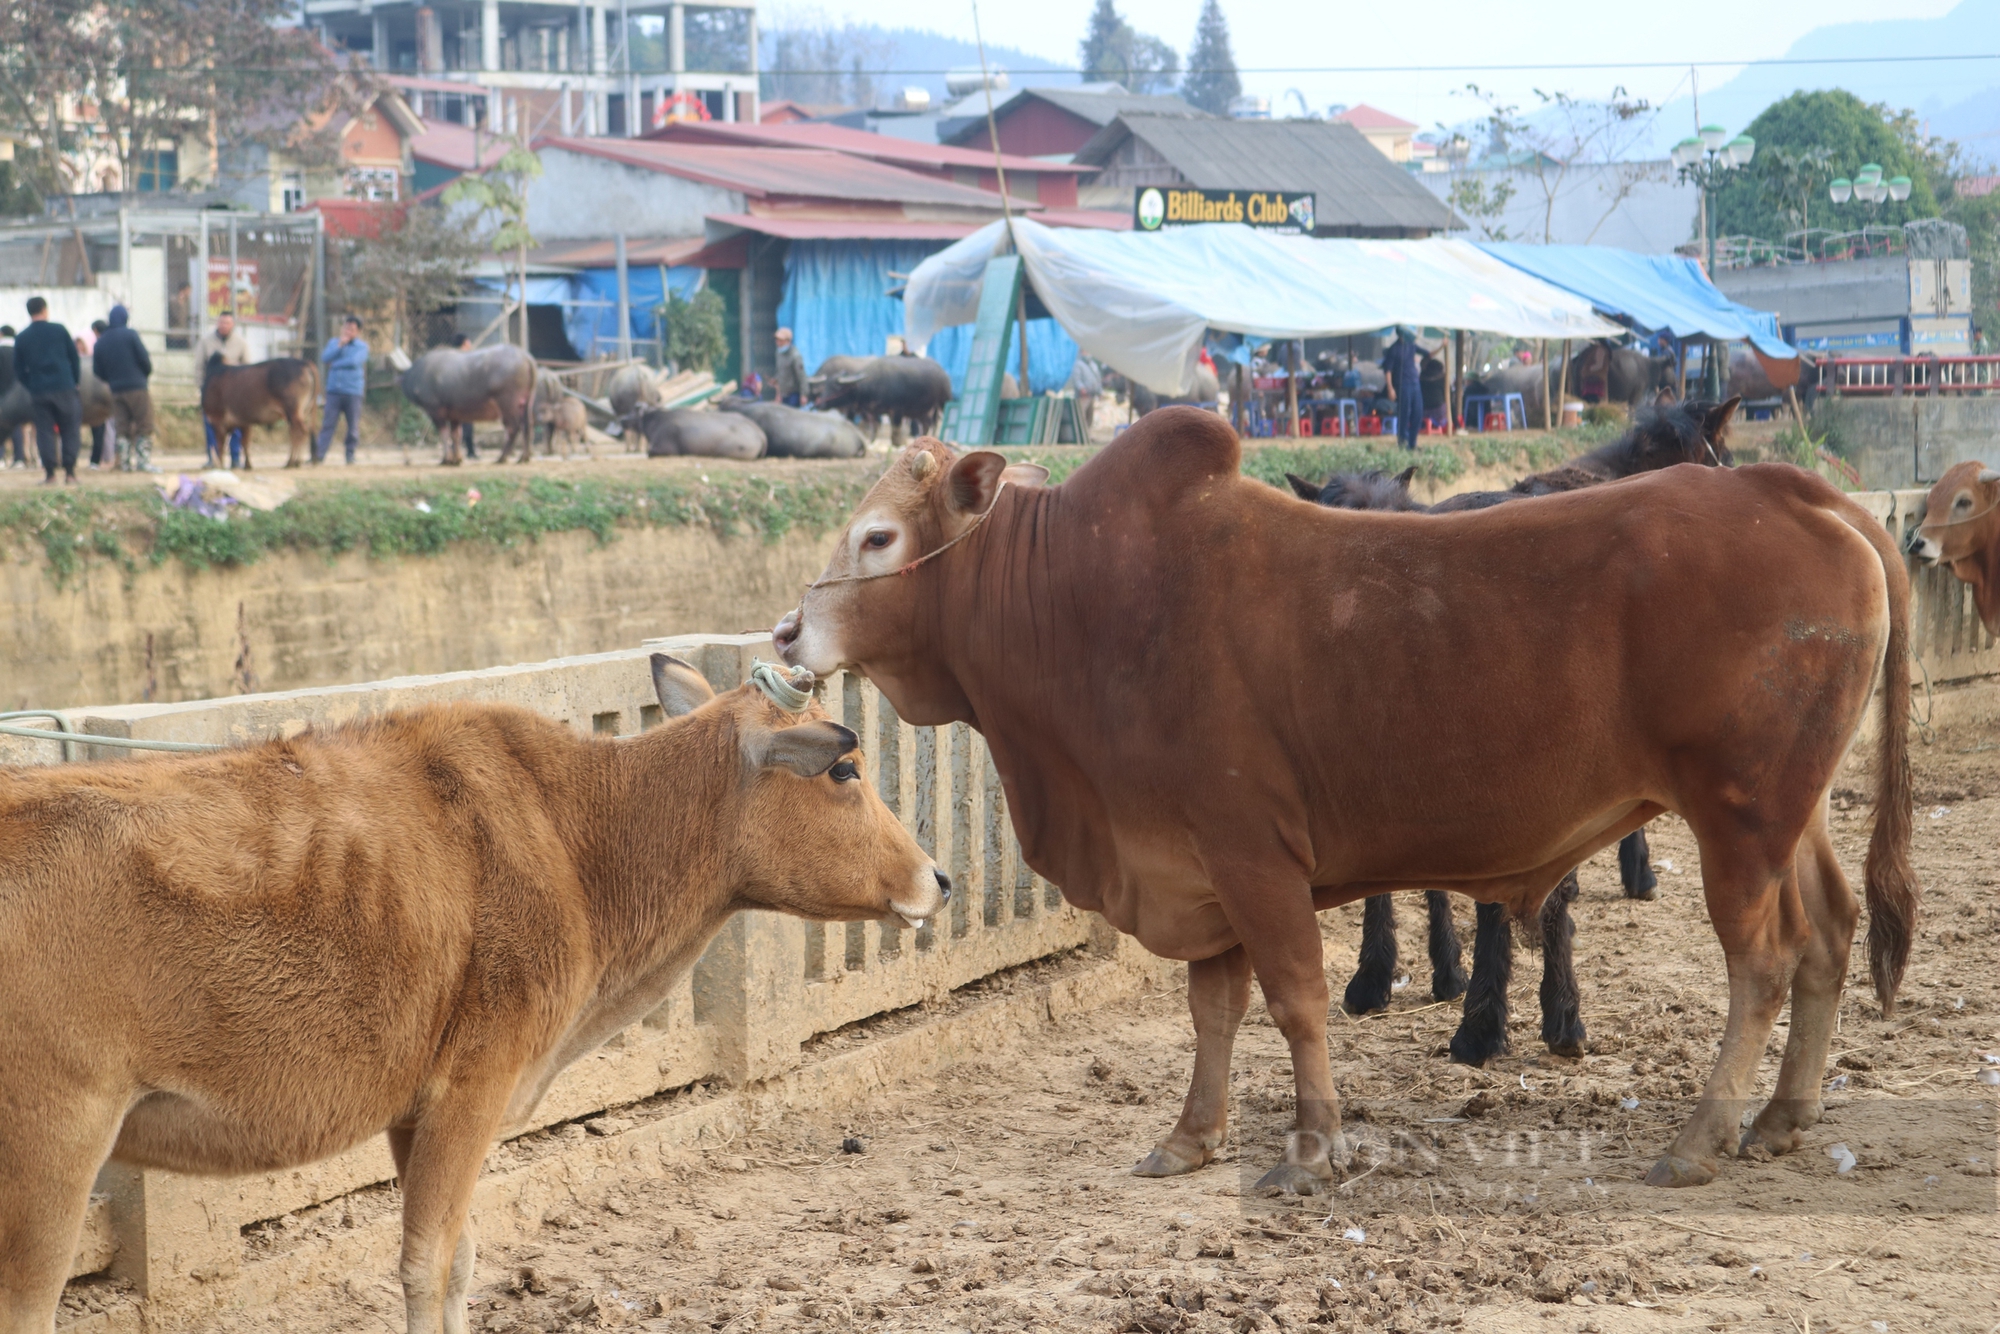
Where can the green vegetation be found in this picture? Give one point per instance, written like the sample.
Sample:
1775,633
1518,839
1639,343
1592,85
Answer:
135,528
1767,201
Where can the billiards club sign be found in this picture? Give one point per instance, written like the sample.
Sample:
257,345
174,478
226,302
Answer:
1158,206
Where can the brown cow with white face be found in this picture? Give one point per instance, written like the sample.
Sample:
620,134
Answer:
1961,528
248,961
1217,709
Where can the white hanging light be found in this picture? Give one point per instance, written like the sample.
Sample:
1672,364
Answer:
1713,137
1841,189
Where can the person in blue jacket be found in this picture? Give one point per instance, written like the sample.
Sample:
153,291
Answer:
345,359
1401,364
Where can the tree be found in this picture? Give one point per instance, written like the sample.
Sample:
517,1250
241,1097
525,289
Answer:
499,197
1482,204
415,267
1792,180
1211,82
1113,52
1852,134
821,64
697,337
219,72
1545,148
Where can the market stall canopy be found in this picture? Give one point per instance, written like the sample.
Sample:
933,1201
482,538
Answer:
1657,293
1140,302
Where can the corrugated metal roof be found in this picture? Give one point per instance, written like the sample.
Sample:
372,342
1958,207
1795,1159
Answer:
604,254
847,229
817,173
448,145
1356,187
1100,218
841,139
1099,107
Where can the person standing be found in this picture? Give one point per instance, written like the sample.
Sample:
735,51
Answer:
225,340
46,364
1400,366
120,360
344,360
791,376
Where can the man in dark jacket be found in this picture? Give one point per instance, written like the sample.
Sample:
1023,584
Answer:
121,361
1400,365
48,367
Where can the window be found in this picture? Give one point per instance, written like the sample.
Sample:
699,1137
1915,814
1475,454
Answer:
378,184
159,169
291,192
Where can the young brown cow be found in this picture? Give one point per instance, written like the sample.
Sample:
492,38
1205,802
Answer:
1961,528
280,390
248,961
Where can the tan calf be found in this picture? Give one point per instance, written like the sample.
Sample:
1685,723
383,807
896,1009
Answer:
247,961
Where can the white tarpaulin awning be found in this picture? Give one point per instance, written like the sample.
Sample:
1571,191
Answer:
1141,301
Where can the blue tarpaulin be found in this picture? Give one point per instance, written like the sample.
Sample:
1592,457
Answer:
1051,355
589,301
835,301
1657,293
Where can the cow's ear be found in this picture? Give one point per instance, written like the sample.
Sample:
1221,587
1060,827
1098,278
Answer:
1301,488
1025,474
808,750
974,481
1717,420
680,688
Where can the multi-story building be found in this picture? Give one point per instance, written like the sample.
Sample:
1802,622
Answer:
574,67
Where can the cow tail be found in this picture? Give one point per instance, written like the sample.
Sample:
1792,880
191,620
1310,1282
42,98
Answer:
1890,879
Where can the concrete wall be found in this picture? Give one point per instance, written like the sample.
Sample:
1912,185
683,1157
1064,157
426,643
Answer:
311,621
766,986
1910,441
583,197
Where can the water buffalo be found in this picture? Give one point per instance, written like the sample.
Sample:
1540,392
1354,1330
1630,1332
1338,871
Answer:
632,388
1216,710
902,388
1630,377
17,409
1659,438
796,434
1207,391
714,435
479,385
411,924
1961,528
283,389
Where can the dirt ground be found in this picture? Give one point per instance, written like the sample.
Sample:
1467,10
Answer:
997,1196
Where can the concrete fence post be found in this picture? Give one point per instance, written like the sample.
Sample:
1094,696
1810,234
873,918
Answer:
175,1236
750,986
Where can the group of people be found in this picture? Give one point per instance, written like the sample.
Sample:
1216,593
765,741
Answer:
48,364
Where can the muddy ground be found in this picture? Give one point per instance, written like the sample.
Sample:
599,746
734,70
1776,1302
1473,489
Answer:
997,1196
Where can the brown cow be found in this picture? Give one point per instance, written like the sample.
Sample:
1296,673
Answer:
282,389
247,961
1961,528
1216,709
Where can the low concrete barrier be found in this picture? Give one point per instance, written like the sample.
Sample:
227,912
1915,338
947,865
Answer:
766,986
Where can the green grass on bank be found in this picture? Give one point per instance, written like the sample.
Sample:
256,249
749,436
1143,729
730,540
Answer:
132,529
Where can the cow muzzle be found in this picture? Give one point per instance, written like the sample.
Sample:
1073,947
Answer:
929,895
1925,549
786,633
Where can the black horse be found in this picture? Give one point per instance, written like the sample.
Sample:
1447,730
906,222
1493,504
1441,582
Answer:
1659,438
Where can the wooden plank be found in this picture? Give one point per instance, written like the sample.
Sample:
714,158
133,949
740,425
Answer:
971,418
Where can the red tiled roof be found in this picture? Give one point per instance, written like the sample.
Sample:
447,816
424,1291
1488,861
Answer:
1109,220
1364,117
848,229
1972,187
449,145
816,173
603,254
841,139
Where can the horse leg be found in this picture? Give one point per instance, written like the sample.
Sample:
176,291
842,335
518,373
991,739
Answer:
1759,917
1368,990
1447,973
1562,1024
1831,913
1482,1033
1635,866
1218,994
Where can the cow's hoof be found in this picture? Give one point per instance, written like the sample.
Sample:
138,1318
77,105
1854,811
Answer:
1294,1179
1781,1127
1470,1047
1164,1161
293,463
1365,994
1564,1036
1674,1171
1447,984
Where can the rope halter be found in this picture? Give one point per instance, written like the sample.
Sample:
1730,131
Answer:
790,688
971,528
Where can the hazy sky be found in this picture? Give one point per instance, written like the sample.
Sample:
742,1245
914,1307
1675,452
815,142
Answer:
1313,33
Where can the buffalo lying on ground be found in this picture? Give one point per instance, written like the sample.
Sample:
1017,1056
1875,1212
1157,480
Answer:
903,389
714,435
482,385
796,434
282,389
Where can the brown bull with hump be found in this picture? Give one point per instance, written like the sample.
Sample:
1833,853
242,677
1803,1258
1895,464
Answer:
1961,528
1217,709
248,961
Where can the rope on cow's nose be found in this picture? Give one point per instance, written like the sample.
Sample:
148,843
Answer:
788,687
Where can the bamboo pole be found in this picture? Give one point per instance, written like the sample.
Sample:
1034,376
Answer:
1542,355
1292,386
1562,382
